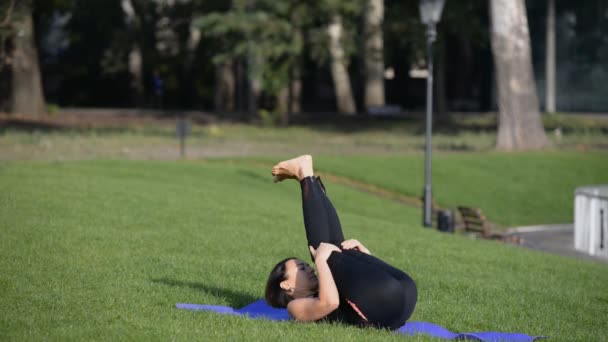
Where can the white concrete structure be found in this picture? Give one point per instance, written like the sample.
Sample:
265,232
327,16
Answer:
591,220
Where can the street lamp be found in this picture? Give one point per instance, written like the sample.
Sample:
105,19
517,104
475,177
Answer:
430,12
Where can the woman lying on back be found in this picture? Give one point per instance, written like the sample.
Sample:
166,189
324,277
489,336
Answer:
352,286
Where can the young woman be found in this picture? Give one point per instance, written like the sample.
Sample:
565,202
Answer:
352,286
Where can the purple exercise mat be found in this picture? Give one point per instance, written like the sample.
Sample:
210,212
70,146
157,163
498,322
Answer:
259,309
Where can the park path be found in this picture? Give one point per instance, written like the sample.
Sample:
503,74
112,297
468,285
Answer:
553,238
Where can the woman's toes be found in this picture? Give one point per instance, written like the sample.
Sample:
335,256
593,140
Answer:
293,168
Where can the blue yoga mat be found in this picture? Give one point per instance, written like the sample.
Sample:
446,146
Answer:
259,309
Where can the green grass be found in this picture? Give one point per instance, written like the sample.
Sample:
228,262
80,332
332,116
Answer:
102,250
511,188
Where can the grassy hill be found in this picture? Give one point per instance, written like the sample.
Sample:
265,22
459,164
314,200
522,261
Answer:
512,188
104,249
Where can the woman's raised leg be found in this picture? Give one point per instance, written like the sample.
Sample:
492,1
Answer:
320,218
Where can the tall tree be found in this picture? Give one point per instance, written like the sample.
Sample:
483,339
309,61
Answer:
27,94
331,39
147,15
374,53
267,36
225,85
519,121
339,66
135,59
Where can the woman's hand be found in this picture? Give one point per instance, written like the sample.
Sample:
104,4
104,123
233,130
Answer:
323,252
354,244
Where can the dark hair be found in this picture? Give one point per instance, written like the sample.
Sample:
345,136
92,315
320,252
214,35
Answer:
275,295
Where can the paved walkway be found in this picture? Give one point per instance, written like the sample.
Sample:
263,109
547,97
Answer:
557,239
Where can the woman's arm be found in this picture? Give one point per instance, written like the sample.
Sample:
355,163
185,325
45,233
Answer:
354,244
312,309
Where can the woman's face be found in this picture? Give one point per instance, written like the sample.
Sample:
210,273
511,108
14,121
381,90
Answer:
301,279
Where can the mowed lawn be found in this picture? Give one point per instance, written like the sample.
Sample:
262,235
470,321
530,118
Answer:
102,250
513,189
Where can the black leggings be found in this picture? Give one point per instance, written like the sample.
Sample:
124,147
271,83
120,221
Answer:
372,292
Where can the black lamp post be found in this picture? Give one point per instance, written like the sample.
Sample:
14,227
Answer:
430,12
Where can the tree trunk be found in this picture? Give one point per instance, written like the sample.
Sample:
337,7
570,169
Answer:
27,94
188,67
135,59
288,99
374,53
147,17
519,121
296,96
550,59
137,80
241,85
339,72
225,87
254,77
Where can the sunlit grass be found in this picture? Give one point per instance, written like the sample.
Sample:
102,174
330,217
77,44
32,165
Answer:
511,188
102,250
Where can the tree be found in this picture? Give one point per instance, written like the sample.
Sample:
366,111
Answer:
164,48
374,53
135,59
27,96
267,36
339,20
289,97
84,64
224,99
270,36
144,54
462,32
339,66
519,121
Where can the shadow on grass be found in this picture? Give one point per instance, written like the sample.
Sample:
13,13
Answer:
8,126
156,124
412,123
235,299
161,123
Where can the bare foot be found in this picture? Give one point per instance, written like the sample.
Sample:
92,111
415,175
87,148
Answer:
296,168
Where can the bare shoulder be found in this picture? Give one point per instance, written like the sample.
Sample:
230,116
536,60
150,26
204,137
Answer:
297,306
308,309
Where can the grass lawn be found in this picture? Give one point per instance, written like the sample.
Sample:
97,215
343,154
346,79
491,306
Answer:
102,250
511,188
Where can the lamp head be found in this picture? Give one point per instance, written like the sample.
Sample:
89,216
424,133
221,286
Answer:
430,11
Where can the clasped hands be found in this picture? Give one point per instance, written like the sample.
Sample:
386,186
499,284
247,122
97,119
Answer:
325,249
